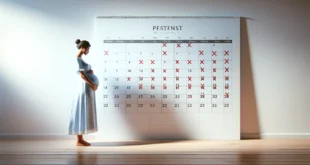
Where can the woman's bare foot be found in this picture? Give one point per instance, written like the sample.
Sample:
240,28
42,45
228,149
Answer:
82,143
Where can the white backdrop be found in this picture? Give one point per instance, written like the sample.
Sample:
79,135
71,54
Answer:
170,77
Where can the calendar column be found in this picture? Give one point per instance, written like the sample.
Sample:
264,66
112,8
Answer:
132,78
217,77
227,77
168,79
193,79
180,77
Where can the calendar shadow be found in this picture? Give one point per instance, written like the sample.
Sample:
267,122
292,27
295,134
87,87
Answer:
250,127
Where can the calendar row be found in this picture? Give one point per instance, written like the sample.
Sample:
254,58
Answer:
184,64
142,99
166,108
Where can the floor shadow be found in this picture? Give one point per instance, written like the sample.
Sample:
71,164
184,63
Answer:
130,143
250,128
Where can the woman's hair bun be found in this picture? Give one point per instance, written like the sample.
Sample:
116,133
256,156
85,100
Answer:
77,41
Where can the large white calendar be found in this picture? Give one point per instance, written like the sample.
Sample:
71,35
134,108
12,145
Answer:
170,77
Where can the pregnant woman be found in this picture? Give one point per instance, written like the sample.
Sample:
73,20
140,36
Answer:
83,118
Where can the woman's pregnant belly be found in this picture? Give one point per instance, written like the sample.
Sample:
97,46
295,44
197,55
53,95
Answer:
93,78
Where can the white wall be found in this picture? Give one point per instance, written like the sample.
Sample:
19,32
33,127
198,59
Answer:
37,60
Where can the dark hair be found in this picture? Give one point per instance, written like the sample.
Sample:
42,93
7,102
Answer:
82,44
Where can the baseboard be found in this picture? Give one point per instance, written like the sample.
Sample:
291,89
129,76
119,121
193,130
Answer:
275,135
41,136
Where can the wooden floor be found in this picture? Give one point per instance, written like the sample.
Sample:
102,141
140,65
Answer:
245,152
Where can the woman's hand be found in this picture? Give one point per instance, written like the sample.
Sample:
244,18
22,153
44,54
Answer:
94,87
90,71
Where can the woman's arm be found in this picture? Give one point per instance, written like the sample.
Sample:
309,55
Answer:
83,76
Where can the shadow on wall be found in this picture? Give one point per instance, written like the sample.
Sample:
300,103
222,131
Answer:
250,128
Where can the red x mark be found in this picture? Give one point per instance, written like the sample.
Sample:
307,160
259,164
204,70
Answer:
140,86
226,53
202,86
141,78
177,86
177,78
177,70
226,86
202,96
177,62
226,78
226,61
214,53
164,53
152,61
189,45
164,45
214,78
152,86
189,61
227,69
200,52
140,61
165,78
178,45
164,70
202,69
153,70
106,53
128,78
189,78
202,78
214,69
189,86
214,61
153,78
226,94
202,61
165,86
214,86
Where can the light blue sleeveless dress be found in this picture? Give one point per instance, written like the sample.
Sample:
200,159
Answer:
83,118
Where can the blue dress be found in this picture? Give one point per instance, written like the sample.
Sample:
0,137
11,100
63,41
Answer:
83,118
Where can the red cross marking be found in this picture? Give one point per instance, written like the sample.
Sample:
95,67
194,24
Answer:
140,61
177,69
177,86
226,86
226,78
214,53
153,70
226,53
189,45
226,69
128,78
226,94
214,86
202,69
202,86
189,78
106,53
177,61
164,53
214,69
164,44
200,52
189,61
189,86
202,61
202,78
214,78
153,78
165,78
140,86
164,70
214,61
178,45
152,61
226,61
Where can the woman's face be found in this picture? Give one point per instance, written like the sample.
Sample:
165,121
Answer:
85,50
